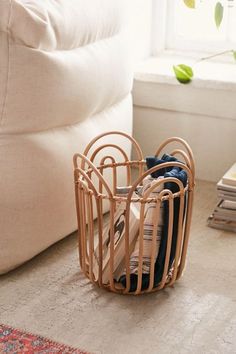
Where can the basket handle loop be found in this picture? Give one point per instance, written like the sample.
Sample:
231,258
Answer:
84,160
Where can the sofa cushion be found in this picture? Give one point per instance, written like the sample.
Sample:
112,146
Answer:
65,61
64,78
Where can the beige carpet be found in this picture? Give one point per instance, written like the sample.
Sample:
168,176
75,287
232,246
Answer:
51,297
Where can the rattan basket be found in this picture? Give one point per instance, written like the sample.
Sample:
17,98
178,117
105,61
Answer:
106,256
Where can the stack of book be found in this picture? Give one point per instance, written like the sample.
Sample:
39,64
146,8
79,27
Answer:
224,215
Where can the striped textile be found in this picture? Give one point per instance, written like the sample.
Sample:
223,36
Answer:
150,214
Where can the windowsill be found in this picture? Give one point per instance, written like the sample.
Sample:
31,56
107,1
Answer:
210,73
211,92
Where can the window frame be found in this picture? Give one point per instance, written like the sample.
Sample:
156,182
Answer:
163,39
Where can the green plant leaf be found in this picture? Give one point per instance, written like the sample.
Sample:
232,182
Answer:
219,12
183,73
234,54
190,3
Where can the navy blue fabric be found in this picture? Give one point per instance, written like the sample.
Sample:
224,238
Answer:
180,174
152,161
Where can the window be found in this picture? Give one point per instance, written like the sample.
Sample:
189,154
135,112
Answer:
179,27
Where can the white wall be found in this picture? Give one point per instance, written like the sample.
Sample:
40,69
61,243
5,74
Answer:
138,23
212,139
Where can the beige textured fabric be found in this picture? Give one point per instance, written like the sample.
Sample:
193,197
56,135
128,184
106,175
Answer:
64,78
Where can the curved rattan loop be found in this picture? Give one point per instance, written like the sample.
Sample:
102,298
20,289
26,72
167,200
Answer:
131,139
114,173
79,171
183,143
108,157
94,169
106,146
164,192
156,168
183,154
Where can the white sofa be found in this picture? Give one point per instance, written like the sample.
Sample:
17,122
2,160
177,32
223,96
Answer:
64,78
